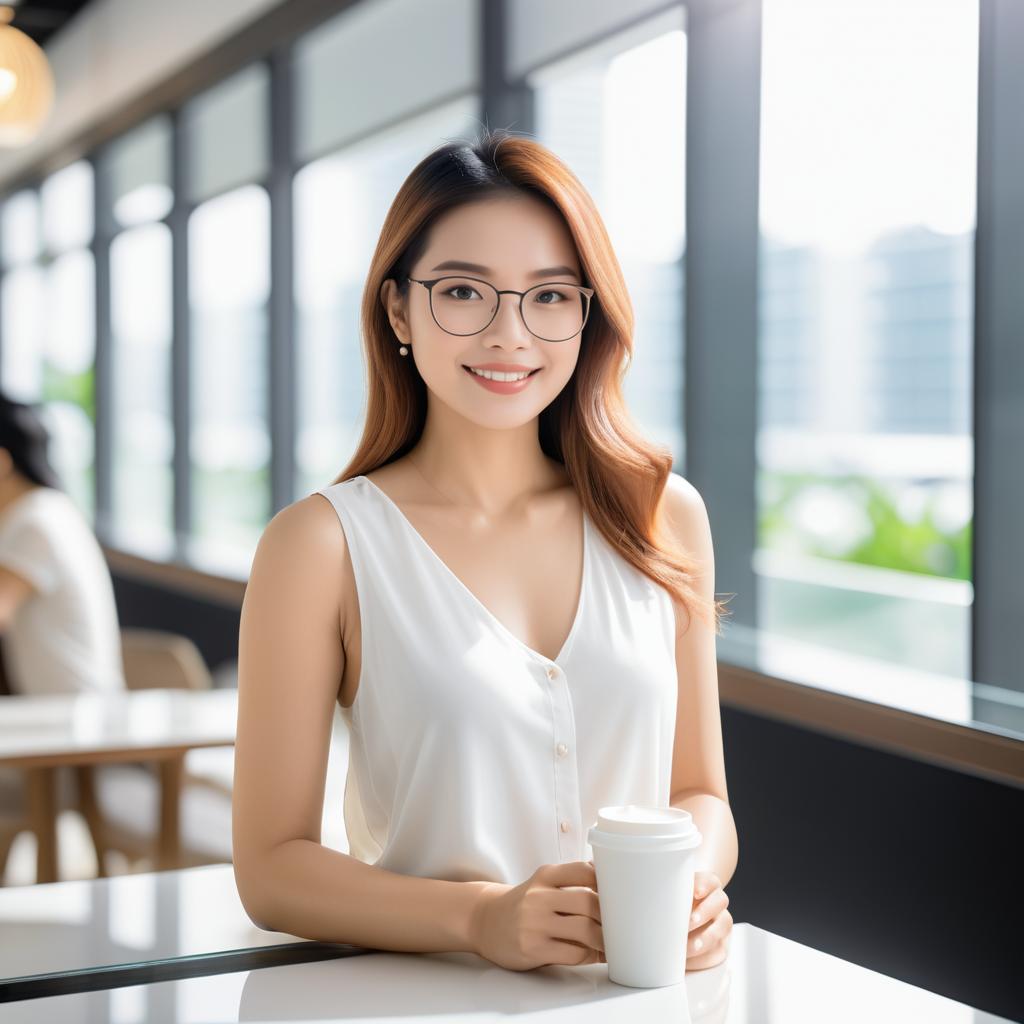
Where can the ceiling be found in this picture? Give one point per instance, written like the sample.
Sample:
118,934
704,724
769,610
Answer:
40,19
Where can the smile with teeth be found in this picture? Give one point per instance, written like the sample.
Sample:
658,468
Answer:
496,375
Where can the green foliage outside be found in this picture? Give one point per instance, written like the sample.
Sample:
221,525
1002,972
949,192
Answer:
921,547
76,388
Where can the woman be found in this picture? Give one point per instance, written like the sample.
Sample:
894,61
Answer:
58,616
516,614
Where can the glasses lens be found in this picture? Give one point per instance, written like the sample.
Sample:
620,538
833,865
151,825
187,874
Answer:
462,305
554,312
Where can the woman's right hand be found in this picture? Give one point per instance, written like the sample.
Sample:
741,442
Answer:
539,922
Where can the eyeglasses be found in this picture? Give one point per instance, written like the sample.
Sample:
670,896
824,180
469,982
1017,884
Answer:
462,314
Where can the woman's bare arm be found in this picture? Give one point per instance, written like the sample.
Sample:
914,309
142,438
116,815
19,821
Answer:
290,663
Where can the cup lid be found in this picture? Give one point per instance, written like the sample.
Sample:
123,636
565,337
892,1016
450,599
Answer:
667,825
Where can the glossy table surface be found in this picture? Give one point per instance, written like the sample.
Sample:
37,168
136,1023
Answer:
51,935
765,980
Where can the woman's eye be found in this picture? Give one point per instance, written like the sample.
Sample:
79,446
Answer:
540,295
460,288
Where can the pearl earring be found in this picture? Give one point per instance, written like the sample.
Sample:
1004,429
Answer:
404,351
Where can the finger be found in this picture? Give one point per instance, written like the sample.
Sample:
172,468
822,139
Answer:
578,929
570,954
580,901
574,872
705,882
709,908
710,959
708,936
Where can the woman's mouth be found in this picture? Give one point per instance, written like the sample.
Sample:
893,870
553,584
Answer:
503,387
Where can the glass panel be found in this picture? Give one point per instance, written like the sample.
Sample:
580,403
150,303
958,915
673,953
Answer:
869,131
143,432
69,386
67,200
343,90
227,128
595,113
340,203
538,30
20,228
22,304
882,681
229,286
138,170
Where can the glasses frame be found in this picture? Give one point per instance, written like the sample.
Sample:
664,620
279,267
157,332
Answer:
587,292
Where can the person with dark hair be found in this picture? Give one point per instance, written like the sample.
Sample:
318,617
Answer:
58,618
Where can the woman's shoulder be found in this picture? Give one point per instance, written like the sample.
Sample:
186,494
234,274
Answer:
45,506
302,555
310,524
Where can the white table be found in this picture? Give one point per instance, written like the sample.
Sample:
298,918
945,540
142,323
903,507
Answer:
41,734
73,935
765,980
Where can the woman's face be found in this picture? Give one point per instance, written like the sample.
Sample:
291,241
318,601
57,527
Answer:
509,239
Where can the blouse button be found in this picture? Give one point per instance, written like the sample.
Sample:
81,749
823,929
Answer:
552,671
561,750
564,826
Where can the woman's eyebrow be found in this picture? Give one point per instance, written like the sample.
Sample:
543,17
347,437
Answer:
476,268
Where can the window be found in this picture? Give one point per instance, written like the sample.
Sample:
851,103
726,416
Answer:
229,286
48,325
228,294
345,92
340,203
228,133
143,432
138,172
359,154
136,169
868,150
595,110
21,297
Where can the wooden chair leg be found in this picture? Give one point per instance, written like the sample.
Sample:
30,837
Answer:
89,805
8,833
172,771
41,793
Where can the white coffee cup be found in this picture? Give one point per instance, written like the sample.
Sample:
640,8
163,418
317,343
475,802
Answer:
644,859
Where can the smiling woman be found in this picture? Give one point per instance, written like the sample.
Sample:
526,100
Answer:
516,614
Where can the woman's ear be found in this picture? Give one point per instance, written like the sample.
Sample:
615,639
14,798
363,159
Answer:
394,306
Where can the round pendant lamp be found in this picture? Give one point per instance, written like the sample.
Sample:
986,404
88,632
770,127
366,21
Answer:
26,84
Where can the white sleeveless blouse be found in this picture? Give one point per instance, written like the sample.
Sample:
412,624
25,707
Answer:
471,755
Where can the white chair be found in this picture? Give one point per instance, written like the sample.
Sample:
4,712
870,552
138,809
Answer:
127,796
120,802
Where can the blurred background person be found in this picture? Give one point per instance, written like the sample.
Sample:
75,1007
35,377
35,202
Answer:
58,619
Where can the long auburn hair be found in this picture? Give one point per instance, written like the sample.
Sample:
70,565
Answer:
618,473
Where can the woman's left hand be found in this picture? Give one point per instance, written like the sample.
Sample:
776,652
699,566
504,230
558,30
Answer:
710,923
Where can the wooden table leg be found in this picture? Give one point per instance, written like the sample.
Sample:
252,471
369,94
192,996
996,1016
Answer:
41,793
89,805
168,856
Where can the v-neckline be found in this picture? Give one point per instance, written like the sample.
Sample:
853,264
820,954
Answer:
480,606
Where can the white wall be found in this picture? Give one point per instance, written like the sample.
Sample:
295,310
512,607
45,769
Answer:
114,50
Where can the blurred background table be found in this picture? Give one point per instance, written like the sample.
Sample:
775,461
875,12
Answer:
39,735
